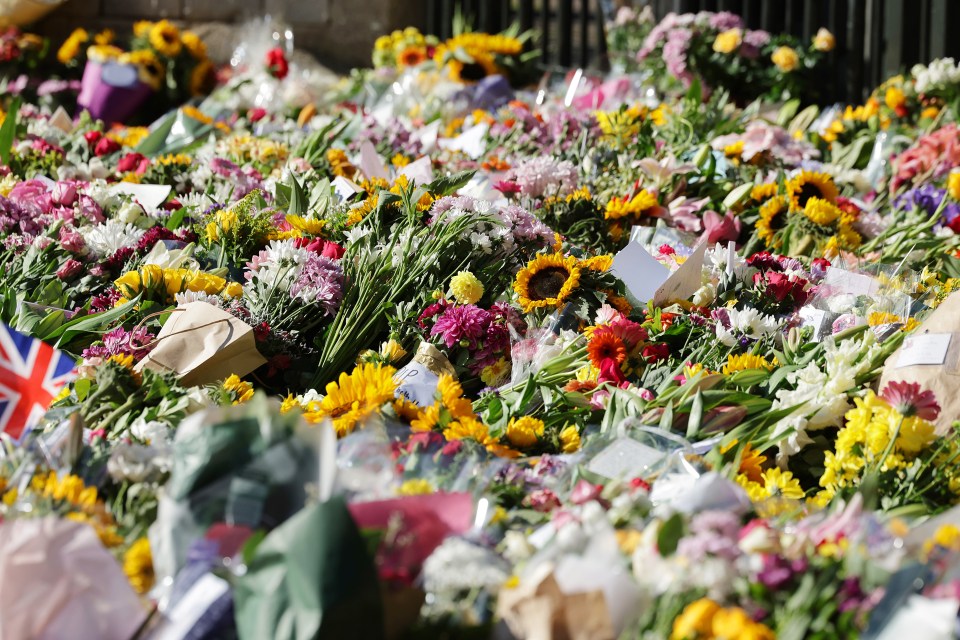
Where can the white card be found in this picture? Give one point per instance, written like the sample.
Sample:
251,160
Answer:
471,142
419,171
417,383
371,164
150,196
684,282
625,458
812,317
925,348
180,619
640,271
344,188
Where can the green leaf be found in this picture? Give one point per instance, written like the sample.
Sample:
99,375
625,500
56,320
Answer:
8,129
96,323
669,535
176,219
446,185
696,415
298,198
157,138
738,194
82,387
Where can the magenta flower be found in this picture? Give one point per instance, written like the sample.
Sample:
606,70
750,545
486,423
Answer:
719,228
909,400
462,324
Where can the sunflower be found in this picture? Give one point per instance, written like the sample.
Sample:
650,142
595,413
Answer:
202,78
606,345
149,68
141,28
767,224
194,45
603,262
821,212
70,48
165,38
482,65
138,566
547,281
412,56
354,397
810,184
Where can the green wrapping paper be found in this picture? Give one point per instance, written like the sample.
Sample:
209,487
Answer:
311,578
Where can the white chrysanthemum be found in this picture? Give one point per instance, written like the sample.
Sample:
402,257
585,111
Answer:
186,297
458,565
104,240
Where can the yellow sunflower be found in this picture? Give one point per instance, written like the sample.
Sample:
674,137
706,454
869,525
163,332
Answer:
810,184
202,78
141,28
547,281
70,48
354,397
308,226
165,38
138,566
194,45
483,65
767,226
149,68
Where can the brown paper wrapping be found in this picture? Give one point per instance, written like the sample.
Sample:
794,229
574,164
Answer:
538,609
942,379
202,344
437,363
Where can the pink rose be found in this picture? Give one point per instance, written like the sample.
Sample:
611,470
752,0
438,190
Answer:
69,269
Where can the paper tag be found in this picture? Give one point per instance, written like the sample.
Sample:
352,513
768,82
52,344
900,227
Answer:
417,383
625,458
370,162
812,317
61,120
419,171
842,281
180,620
344,188
927,348
471,142
119,75
542,536
640,271
150,196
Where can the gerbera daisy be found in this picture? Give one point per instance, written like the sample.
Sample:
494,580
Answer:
810,184
411,57
547,281
908,400
751,463
744,362
354,397
606,345
165,38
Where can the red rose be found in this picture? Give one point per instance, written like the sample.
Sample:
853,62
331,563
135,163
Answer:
106,146
136,162
655,352
277,63
92,137
257,114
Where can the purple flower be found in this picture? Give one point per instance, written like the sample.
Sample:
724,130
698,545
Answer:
724,20
321,282
544,175
778,571
466,323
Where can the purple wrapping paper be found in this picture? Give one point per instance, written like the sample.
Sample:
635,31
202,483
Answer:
109,102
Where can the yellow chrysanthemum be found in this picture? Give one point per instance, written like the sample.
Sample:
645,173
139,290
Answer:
636,206
451,396
547,281
786,59
524,432
821,212
570,439
466,288
354,397
779,483
744,362
728,41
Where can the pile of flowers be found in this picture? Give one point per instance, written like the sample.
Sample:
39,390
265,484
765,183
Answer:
440,354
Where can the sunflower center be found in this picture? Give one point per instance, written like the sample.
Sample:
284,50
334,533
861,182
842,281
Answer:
472,71
807,191
547,283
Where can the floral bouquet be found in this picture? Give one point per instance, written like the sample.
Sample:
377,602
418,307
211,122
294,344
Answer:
160,61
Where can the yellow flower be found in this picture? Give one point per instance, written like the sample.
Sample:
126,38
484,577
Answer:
745,362
70,48
354,397
781,483
547,281
451,396
824,40
524,432
201,78
141,28
392,351
915,434
734,150
495,374
240,390
570,439
165,38
894,97
728,41
468,429
138,565
767,222
205,282
947,536
129,284
636,206
821,212
953,184
194,45
233,290
786,59
810,184
415,487
696,620
466,288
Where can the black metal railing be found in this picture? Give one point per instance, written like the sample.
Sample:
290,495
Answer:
875,38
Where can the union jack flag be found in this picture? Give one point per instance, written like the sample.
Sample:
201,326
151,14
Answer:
31,375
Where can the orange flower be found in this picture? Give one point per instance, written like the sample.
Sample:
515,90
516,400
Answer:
605,345
412,56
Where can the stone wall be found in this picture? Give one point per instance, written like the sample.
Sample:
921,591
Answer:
340,33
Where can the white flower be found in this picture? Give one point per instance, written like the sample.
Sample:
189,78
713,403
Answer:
106,239
138,463
129,212
153,432
458,565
